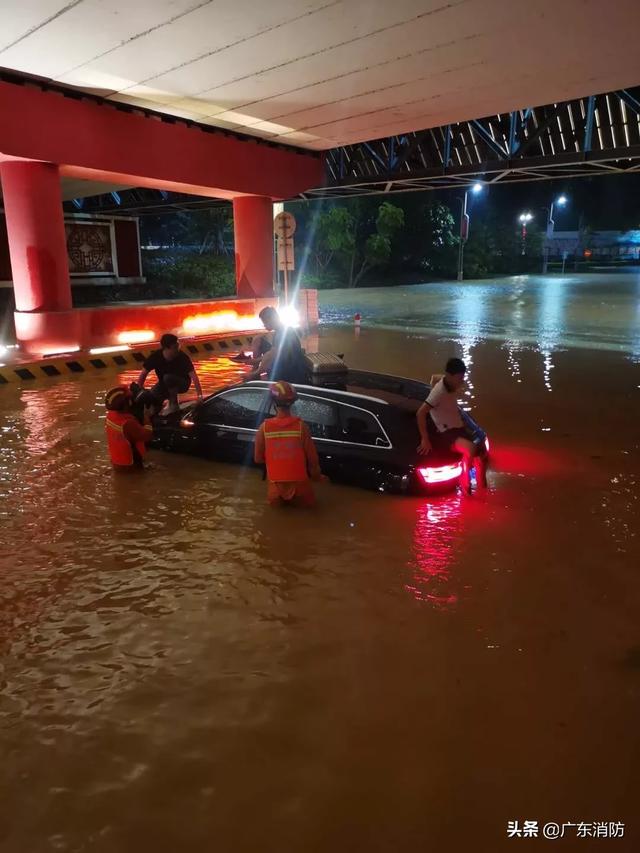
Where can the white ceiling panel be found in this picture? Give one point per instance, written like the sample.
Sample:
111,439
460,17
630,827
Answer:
320,73
212,27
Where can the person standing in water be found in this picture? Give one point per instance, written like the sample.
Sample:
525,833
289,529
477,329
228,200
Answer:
285,359
285,446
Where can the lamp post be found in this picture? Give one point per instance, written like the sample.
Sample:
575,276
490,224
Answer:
560,202
523,219
464,226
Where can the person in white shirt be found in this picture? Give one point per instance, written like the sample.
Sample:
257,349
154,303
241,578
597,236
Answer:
450,433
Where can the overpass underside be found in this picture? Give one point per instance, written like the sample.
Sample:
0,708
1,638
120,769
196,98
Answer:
595,135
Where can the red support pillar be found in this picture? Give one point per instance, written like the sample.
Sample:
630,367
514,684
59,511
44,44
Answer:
38,252
37,243
253,232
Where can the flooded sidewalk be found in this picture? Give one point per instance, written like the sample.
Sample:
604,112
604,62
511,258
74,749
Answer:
183,668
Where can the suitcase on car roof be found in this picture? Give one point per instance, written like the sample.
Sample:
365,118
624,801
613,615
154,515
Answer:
321,362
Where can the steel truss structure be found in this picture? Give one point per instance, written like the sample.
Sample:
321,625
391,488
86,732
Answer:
595,135
140,201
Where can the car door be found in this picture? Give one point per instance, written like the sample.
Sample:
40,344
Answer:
365,447
322,418
227,424
350,441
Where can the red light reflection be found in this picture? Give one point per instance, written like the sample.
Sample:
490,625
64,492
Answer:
437,530
444,474
531,461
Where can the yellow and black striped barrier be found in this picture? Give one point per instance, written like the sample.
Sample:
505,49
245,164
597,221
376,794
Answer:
86,362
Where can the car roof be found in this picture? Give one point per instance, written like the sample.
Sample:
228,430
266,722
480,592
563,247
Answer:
375,391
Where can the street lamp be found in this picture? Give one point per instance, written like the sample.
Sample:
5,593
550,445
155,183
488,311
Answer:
464,226
524,219
560,202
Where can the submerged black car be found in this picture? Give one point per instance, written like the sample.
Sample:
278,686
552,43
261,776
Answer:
363,425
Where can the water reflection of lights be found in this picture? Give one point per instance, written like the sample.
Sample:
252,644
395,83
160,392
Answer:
470,313
513,363
551,324
436,531
213,373
513,330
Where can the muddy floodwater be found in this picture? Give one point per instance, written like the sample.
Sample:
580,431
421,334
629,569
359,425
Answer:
184,669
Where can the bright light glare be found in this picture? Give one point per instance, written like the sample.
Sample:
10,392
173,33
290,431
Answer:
562,200
220,321
477,188
137,336
526,217
289,315
49,352
105,350
3,350
444,474
486,443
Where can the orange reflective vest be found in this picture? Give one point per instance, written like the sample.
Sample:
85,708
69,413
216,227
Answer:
284,450
120,448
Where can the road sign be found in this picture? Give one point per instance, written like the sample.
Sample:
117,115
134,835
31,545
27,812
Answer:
284,224
464,228
286,254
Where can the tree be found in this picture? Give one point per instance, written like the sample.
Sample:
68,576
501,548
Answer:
428,240
206,231
352,235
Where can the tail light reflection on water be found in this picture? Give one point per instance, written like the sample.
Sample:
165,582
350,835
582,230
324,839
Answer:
437,529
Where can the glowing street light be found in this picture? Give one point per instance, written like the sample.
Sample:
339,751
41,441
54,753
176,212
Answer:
524,219
476,189
560,202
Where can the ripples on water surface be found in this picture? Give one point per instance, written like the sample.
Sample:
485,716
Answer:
183,669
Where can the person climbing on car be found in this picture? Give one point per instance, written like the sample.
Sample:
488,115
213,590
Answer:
175,372
127,438
284,445
285,360
449,433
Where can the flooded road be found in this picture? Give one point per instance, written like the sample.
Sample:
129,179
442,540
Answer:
184,669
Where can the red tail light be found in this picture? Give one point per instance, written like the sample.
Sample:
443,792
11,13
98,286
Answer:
443,474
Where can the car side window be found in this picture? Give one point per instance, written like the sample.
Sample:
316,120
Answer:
321,416
243,407
361,427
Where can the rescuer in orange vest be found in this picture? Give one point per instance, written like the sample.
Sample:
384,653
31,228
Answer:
127,438
284,443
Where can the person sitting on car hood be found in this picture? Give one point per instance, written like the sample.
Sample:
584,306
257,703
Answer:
450,433
175,372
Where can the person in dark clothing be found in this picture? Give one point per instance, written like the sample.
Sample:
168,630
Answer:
175,372
285,361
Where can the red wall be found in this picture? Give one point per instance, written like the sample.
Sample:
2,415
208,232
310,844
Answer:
96,140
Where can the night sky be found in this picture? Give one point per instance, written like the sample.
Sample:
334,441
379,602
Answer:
603,202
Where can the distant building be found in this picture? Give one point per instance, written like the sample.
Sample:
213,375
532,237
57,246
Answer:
618,245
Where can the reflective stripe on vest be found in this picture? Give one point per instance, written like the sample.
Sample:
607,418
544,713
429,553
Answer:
284,450
120,448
